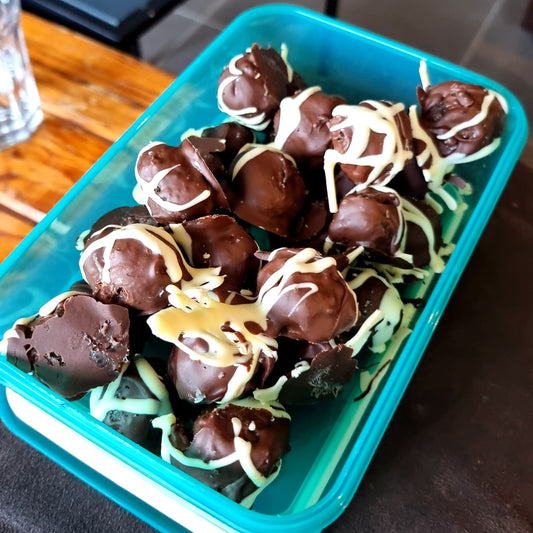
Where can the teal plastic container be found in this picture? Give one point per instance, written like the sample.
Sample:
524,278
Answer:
332,443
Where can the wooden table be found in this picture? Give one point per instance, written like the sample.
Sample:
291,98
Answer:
90,94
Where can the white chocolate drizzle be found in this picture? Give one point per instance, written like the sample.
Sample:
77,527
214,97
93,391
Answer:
159,242
365,121
147,189
278,283
103,399
250,151
290,115
246,115
223,327
242,449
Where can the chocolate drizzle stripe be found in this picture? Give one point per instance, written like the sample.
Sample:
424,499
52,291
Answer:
370,384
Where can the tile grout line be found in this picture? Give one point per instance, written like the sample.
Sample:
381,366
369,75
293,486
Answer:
493,12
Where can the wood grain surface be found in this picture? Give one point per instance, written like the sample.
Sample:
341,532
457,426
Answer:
90,94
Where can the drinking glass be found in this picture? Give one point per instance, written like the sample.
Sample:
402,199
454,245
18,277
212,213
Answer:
20,106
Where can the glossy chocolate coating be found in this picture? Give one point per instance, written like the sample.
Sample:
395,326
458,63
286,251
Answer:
214,437
371,219
196,381
79,345
134,421
327,370
450,104
309,137
186,187
267,189
253,85
234,136
121,268
305,296
388,148
220,241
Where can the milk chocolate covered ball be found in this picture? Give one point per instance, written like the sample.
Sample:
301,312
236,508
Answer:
267,190
220,241
301,124
462,118
220,351
371,218
371,142
304,296
132,265
73,344
175,183
251,87
236,448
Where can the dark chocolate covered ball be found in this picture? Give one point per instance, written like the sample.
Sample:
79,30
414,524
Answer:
236,448
73,344
233,135
312,372
176,183
372,219
375,293
133,400
253,84
267,190
462,118
220,241
132,265
304,296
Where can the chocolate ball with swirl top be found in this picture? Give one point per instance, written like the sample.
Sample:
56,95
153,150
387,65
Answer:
73,344
372,219
253,84
220,241
304,296
219,352
236,448
267,190
132,265
371,143
301,125
464,120
175,182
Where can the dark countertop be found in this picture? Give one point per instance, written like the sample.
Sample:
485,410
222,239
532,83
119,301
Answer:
458,454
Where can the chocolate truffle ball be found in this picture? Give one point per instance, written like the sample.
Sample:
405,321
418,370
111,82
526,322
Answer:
375,293
132,265
220,351
73,344
371,142
251,87
311,372
304,296
236,448
371,218
462,118
132,401
301,124
175,183
267,190
220,241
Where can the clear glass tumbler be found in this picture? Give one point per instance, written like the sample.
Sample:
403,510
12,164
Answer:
20,106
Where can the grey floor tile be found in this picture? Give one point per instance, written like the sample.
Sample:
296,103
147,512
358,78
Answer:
175,41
